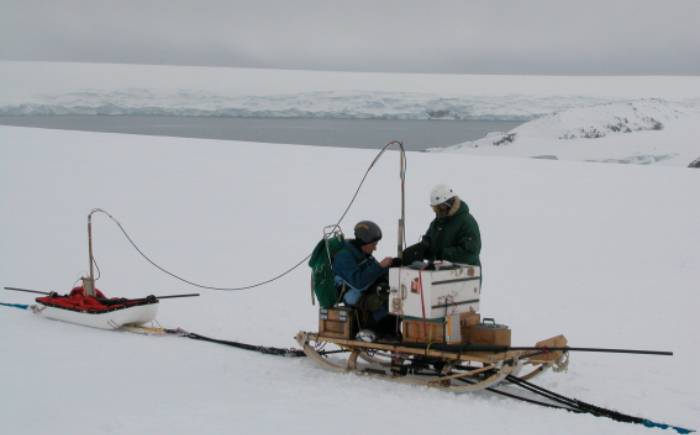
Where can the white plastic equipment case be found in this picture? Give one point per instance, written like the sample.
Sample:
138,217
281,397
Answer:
445,289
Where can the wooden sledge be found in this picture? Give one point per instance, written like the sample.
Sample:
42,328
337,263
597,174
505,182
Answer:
450,370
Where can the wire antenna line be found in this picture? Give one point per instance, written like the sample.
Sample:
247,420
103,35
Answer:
287,271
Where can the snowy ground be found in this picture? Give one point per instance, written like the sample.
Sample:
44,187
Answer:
606,254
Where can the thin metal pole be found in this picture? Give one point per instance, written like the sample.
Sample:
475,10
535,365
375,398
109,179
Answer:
594,349
189,295
90,287
403,199
401,239
26,290
492,348
402,221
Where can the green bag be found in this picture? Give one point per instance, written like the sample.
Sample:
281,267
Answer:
322,276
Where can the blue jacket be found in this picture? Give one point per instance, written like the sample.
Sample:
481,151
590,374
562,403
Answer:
357,270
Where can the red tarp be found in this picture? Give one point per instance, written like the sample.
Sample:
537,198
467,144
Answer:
77,300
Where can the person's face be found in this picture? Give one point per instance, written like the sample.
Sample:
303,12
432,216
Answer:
441,209
369,248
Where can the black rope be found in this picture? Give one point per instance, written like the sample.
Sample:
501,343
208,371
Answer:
516,397
255,348
584,407
267,350
560,401
575,405
532,401
551,395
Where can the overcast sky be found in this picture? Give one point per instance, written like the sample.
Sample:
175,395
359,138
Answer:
467,36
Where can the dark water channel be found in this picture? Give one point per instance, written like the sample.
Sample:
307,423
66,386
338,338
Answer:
358,133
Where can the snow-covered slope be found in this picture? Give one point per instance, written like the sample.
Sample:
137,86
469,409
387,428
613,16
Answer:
642,132
606,254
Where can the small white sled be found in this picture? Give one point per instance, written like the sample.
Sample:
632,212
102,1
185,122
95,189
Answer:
114,319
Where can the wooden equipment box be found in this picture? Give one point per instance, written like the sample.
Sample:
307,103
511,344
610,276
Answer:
488,332
423,330
449,330
336,322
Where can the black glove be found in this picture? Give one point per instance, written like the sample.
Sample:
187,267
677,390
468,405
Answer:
395,262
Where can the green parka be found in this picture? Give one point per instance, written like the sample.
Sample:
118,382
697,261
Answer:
453,238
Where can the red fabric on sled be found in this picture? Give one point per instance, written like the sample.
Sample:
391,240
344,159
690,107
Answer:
77,300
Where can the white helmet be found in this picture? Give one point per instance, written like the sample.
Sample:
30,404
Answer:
440,194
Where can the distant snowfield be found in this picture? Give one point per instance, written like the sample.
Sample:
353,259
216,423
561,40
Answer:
606,254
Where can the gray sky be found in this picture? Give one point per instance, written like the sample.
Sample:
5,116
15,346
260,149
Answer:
468,36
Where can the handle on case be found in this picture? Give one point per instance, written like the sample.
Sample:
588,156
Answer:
490,320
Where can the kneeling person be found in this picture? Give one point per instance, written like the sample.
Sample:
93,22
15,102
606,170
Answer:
366,279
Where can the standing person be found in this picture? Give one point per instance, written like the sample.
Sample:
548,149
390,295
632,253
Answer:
453,235
365,278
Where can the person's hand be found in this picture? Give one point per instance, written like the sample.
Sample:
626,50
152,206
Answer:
386,262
